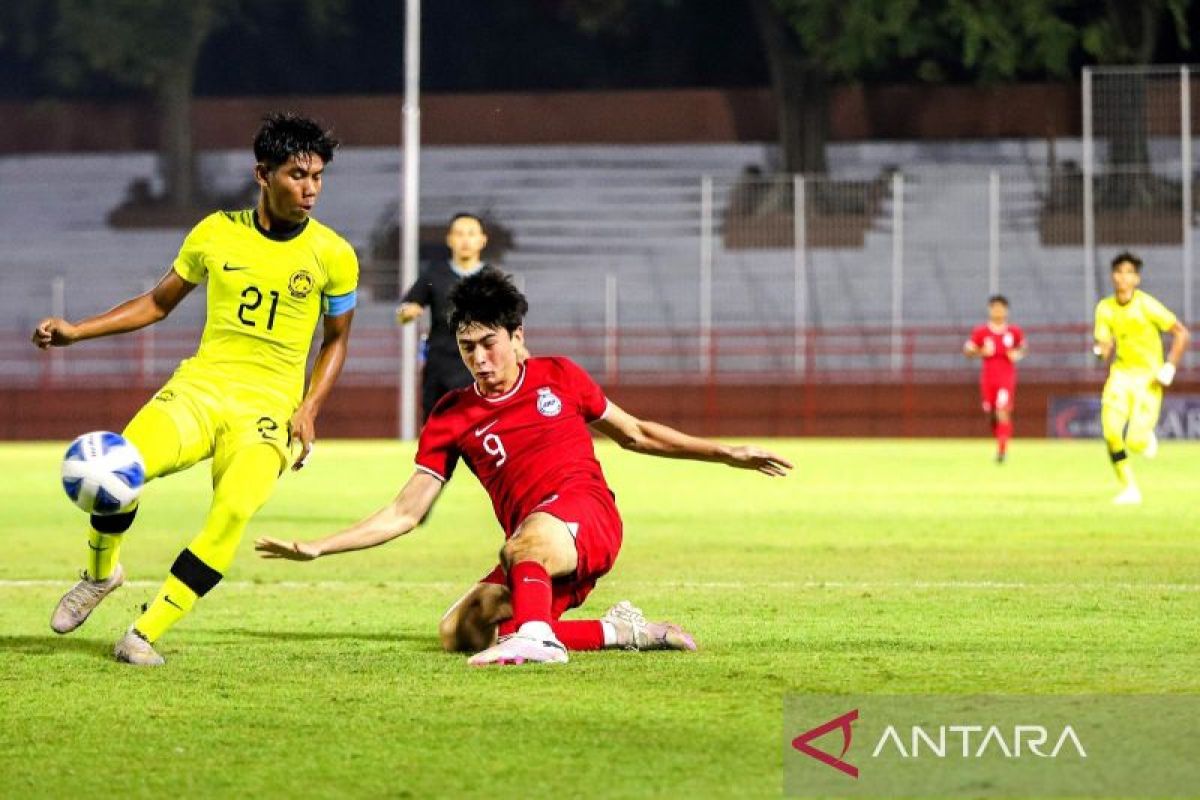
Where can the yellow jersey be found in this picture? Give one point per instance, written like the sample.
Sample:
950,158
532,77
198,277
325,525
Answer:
1136,328
266,292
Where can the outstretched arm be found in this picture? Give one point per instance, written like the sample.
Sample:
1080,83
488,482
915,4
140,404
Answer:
138,312
652,438
328,366
395,519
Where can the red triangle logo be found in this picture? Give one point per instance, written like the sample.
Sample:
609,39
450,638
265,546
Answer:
801,743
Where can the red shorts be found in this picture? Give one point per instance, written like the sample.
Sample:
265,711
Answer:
591,515
998,395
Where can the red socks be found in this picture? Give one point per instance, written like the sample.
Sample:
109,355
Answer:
531,601
1003,434
531,592
579,634
575,634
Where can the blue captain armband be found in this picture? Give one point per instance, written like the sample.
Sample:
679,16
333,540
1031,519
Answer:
336,305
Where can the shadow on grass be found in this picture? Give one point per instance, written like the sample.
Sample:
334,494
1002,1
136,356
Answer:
51,644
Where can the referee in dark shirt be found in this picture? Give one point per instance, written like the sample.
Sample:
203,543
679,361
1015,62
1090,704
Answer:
444,369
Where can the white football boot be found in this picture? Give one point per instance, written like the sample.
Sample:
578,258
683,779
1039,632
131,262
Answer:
133,649
634,632
534,643
78,603
1131,495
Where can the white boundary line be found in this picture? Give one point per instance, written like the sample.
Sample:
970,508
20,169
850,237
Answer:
617,582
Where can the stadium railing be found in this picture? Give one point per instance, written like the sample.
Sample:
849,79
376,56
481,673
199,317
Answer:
623,356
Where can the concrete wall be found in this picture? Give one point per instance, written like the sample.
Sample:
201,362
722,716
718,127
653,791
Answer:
694,115
815,409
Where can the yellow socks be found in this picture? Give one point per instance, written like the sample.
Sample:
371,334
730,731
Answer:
103,549
175,599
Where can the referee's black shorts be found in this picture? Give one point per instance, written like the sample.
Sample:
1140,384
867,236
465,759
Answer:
442,374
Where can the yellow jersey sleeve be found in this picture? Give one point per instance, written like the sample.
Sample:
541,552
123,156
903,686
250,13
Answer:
190,264
1103,331
1157,313
338,296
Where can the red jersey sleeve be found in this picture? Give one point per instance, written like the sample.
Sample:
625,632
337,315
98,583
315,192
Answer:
592,402
437,449
978,335
1018,337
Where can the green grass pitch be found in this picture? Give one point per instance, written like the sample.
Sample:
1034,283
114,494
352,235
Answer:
878,567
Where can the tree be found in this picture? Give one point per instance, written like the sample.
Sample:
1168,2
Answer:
812,44
150,46
1128,32
980,40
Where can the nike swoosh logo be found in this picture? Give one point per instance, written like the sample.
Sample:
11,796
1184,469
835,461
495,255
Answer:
534,580
230,268
485,428
97,549
167,599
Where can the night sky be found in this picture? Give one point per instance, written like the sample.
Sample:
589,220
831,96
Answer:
467,46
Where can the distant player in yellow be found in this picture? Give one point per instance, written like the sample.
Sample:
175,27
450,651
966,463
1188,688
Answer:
272,272
1132,323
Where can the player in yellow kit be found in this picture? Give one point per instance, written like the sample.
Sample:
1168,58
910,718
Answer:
272,272
1132,323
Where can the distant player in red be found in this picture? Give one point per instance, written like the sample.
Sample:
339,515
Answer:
522,428
999,346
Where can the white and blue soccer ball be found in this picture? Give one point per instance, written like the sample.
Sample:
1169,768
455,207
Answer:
103,473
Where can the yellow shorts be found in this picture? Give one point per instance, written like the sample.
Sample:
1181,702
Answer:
1132,399
190,420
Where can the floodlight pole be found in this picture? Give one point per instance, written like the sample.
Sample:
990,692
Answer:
1185,142
994,232
706,275
1089,212
897,270
610,329
410,215
800,272
58,308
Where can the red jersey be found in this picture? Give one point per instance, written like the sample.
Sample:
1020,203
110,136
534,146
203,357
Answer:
998,368
526,445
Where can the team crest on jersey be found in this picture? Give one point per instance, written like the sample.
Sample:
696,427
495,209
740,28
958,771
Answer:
1008,340
548,405
301,284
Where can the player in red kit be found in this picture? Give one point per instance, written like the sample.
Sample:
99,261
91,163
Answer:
999,346
523,428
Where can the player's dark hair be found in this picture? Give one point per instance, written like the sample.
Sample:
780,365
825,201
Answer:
1123,256
285,134
488,298
998,298
467,215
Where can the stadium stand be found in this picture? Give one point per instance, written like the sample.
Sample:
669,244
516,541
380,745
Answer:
578,214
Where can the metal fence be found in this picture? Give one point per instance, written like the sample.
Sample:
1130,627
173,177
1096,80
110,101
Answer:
616,355
651,264
756,276
1138,161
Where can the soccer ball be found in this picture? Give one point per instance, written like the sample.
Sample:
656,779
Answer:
103,473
